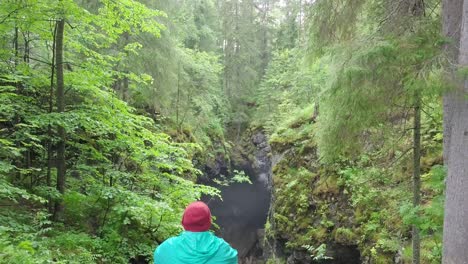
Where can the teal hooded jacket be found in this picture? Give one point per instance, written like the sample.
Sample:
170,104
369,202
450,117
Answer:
195,248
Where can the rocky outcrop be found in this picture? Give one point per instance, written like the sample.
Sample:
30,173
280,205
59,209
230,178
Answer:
309,215
310,220
262,163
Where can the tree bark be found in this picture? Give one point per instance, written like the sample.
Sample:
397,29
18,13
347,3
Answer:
178,97
26,47
455,240
416,174
15,45
61,168
417,10
126,36
49,127
452,17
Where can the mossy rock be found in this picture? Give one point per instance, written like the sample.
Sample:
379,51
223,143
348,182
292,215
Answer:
326,185
276,261
383,259
304,223
345,236
430,160
317,235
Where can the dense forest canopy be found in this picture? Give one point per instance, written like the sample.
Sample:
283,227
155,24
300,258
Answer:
112,112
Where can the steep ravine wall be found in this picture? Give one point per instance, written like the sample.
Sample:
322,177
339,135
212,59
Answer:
300,204
310,219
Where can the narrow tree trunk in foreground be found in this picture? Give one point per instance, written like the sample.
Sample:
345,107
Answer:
61,169
15,45
417,10
416,174
50,153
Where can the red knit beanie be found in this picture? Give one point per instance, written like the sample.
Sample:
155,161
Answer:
197,217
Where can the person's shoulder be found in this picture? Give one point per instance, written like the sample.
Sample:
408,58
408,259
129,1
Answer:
226,247
168,243
163,253
221,240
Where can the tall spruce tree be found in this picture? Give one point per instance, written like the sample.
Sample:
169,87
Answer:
366,66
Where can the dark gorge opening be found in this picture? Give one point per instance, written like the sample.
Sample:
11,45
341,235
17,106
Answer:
242,212
241,216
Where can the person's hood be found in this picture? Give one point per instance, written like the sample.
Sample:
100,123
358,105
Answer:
200,248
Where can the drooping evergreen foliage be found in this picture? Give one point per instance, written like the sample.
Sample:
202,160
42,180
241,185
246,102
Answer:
345,135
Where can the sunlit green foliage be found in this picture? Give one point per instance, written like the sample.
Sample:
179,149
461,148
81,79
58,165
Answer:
128,182
185,91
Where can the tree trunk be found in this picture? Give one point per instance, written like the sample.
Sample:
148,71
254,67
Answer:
61,169
15,45
316,112
417,10
455,239
26,47
49,127
125,80
452,17
265,38
301,29
416,174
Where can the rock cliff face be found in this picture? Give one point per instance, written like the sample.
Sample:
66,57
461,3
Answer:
310,220
305,211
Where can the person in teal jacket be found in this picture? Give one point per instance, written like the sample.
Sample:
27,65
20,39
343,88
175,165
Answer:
195,245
